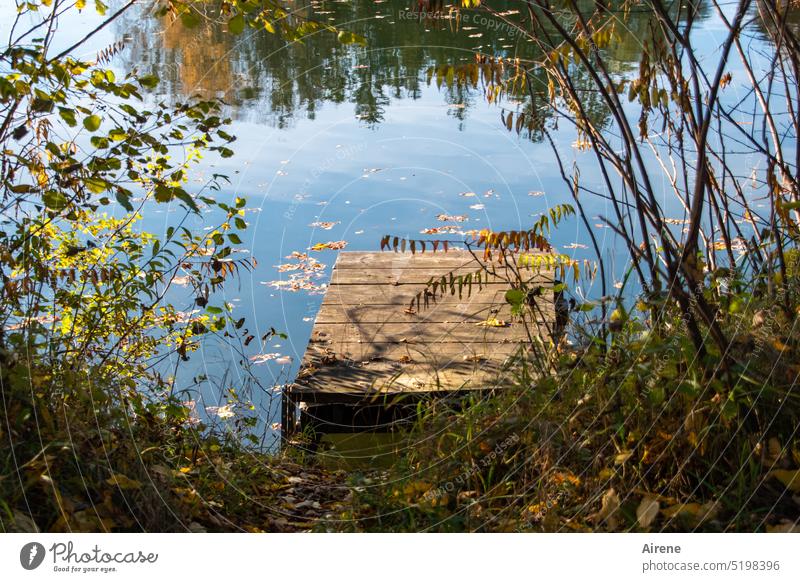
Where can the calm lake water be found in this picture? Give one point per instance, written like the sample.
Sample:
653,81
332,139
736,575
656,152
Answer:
348,143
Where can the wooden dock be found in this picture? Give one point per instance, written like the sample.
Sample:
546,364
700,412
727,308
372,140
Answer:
372,355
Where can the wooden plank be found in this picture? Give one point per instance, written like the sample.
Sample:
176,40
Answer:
427,332
385,378
401,295
421,277
411,351
435,313
406,261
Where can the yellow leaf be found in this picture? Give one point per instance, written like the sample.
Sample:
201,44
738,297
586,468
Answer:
333,245
647,511
493,322
698,513
784,527
123,482
606,474
692,509
779,345
622,457
791,479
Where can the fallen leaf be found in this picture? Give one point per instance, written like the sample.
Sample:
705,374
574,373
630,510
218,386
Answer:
452,217
647,511
493,322
123,482
24,523
333,245
323,225
623,456
263,358
791,479
608,507
784,527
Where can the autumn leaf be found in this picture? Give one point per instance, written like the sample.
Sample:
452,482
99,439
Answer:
784,527
623,456
791,479
493,322
608,508
123,482
331,245
647,511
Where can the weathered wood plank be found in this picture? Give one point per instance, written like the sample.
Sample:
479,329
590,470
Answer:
401,295
404,261
431,333
387,377
435,313
414,351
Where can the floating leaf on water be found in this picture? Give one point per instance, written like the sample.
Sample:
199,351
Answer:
264,358
452,217
330,245
323,225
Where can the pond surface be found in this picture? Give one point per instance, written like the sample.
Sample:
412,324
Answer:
348,143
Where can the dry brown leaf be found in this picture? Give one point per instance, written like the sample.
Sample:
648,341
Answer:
647,511
608,508
24,523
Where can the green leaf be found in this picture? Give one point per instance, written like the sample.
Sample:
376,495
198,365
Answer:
515,296
124,201
234,238
164,193
190,19
92,123
148,81
236,24
96,185
346,37
68,115
54,200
